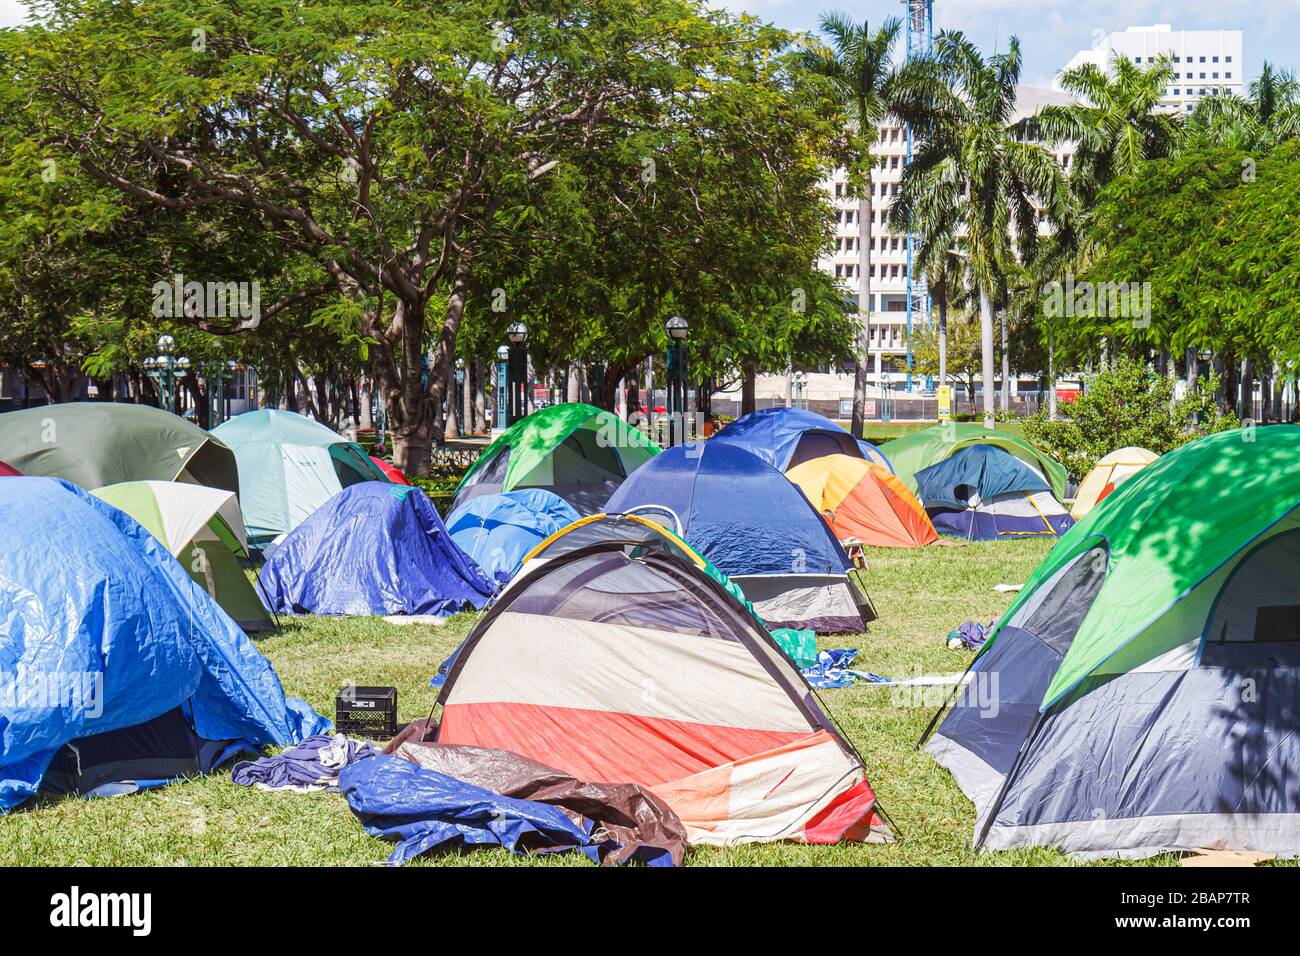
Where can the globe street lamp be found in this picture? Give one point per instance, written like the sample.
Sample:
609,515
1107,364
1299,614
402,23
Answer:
800,382
165,369
677,329
517,372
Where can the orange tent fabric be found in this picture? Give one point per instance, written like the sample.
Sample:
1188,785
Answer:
863,500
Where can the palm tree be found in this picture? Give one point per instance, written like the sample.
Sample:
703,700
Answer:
857,65
944,268
1114,124
1270,115
1115,127
974,175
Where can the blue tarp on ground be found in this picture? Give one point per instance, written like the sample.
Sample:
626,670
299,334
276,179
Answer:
102,629
374,548
982,470
422,809
786,437
498,530
735,509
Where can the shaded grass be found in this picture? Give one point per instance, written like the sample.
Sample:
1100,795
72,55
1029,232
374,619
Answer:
920,595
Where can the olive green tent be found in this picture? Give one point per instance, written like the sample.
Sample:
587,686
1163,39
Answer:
929,446
579,452
204,529
93,444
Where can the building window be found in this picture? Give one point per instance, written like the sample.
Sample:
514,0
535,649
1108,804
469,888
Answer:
1227,59
1216,59
1227,76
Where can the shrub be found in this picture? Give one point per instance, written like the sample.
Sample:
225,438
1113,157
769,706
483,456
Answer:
1128,404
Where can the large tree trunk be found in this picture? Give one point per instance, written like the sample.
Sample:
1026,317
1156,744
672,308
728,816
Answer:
478,399
986,347
748,400
862,353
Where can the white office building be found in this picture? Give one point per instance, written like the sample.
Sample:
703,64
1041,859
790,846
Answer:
887,345
1204,62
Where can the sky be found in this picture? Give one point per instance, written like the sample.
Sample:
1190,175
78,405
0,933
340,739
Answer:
1050,31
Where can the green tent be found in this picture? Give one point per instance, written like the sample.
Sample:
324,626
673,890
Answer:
93,444
579,452
929,446
204,529
289,466
1139,694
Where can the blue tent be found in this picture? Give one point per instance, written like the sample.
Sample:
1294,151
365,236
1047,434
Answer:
374,548
497,531
785,437
983,493
103,633
756,527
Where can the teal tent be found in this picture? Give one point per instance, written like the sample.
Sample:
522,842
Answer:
288,467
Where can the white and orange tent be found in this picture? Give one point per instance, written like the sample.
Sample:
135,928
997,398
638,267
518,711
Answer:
1109,473
864,501
626,664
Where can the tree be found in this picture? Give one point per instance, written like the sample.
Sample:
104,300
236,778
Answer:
973,174
954,350
1114,125
1270,115
1208,239
394,146
1127,404
857,67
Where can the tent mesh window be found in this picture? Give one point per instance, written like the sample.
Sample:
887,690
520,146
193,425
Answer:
581,459
349,469
493,473
1260,602
1055,618
816,444
609,588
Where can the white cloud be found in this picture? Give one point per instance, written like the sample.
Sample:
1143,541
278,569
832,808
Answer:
12,13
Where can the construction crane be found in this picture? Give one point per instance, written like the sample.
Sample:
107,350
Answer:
920,43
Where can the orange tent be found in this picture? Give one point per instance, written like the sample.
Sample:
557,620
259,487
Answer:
863,500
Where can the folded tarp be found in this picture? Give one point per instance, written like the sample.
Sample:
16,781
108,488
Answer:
630,821
420,809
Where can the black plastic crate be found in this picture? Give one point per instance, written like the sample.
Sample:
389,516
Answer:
369,712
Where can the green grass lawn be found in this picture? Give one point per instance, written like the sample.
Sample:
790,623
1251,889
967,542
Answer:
920,596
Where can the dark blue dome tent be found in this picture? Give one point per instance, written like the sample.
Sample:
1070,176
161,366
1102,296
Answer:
985,493
756,527
117,670
786,437
374,548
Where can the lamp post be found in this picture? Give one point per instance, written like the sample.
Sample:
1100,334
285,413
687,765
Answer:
517,335
215,374
165,368
800,382
503,390
677,329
